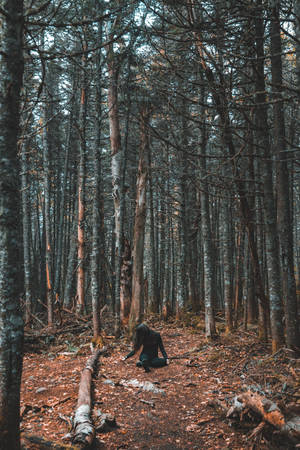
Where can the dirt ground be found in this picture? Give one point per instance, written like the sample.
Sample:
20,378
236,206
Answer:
180,415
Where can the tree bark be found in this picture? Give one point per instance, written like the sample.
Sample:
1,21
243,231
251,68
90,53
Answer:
154,297
116,165
84,431
80,303
227,262
97,219
126,282
47,149
26,231
136,310
263,144
209,300
285,226
269,412
11,323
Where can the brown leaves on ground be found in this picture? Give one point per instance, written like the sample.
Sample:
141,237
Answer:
200,375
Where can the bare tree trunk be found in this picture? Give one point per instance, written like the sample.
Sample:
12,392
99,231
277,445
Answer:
80,303
154,301
26,231
136,310
284,221
71,267
297,41
162,248
84,431
209,301
126,282
206,233
47,141
11,323
183,290
97,219
238,275
227,262
116,163
272,244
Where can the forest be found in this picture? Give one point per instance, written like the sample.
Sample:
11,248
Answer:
150,172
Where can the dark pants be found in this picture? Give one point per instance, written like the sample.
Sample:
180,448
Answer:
147,361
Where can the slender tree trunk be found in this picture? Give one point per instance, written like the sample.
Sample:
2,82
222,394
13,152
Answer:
210,328
11,323
263,144
47,147
71,268
124,266
116,166
183,290
209,300
26,232
162,249
136,310
97,231
297,41
227,245
80,303
239,275
285,226
154,302
126,282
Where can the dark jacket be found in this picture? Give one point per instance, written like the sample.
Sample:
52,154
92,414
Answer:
150,340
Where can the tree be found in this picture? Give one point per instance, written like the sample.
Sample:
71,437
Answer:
285,228
136,310
11,324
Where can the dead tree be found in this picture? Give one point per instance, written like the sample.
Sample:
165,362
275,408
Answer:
84,431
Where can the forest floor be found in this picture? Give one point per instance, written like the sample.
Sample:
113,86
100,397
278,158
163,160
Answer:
181,413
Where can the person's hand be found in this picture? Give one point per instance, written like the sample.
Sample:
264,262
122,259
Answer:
167,361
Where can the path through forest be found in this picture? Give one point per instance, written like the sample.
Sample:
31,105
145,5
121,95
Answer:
178,416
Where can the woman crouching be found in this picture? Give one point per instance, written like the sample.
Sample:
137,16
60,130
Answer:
150,340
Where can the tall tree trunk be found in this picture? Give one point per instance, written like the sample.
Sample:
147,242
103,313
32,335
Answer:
239,265
162,248
11,323
263,143
154,301
47,148
209,301
116,168
227,262
126,282
80,303
297,41
97,220
26,230
285,226
136,310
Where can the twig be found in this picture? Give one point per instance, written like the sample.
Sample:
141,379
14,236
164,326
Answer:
152,404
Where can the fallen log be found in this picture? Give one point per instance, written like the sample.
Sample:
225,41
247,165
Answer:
269,413
40,443
83,428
